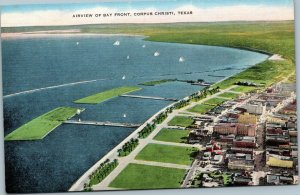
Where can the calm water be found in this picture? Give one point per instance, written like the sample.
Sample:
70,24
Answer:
54,163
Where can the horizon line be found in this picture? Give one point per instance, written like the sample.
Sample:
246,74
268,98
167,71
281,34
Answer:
229,21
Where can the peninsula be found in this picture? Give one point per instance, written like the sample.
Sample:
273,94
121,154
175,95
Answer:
106,95
41,126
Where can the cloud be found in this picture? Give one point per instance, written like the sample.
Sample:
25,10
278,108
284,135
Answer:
225,13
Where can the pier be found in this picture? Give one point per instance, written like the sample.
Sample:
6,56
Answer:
150,97
107,123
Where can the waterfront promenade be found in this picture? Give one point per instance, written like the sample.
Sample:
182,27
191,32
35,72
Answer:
131,158
124,161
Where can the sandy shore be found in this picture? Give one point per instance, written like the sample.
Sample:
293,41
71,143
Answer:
276,57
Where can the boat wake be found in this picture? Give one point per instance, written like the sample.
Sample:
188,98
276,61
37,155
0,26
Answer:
51,87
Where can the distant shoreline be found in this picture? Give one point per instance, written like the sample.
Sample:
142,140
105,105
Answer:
59,33
77,32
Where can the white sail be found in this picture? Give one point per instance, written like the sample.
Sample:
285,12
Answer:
124,77
181,59
117,43
156,54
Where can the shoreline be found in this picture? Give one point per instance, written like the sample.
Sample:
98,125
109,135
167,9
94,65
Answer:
231,47
77,32
81,180
111,154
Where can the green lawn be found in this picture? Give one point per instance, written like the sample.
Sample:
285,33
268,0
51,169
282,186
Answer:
265,73
215,101
172,135
181,121
201,108
167,154
244,89
136,176
229,95
106,95
158,82
41,126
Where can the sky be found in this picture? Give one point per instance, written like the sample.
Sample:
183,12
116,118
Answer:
202,11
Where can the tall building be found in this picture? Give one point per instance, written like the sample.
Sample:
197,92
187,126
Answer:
256,108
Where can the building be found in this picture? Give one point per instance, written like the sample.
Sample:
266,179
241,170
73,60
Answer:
286,88
242,180
279,161
226,138
242,150
235,129
278,140
255,108
289,110
279,179
225,129
244,142
247,118
241,161
278,120
217,160
247,130
206,155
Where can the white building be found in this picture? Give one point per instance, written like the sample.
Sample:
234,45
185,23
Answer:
256,108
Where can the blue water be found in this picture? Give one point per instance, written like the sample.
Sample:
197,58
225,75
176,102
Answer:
54,163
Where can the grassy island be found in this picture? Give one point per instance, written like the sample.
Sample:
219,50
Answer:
158,82
41,126
106,95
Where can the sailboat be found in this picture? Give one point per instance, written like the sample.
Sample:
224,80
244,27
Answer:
124,77
77,43
156,54
181,59
124,115
117,43
143,46
128,57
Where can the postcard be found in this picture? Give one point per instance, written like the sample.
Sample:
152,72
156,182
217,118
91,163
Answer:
149,95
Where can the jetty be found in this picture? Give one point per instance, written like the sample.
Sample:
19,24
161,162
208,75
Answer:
106,123
150,97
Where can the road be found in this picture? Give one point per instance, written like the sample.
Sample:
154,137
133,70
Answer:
190,174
